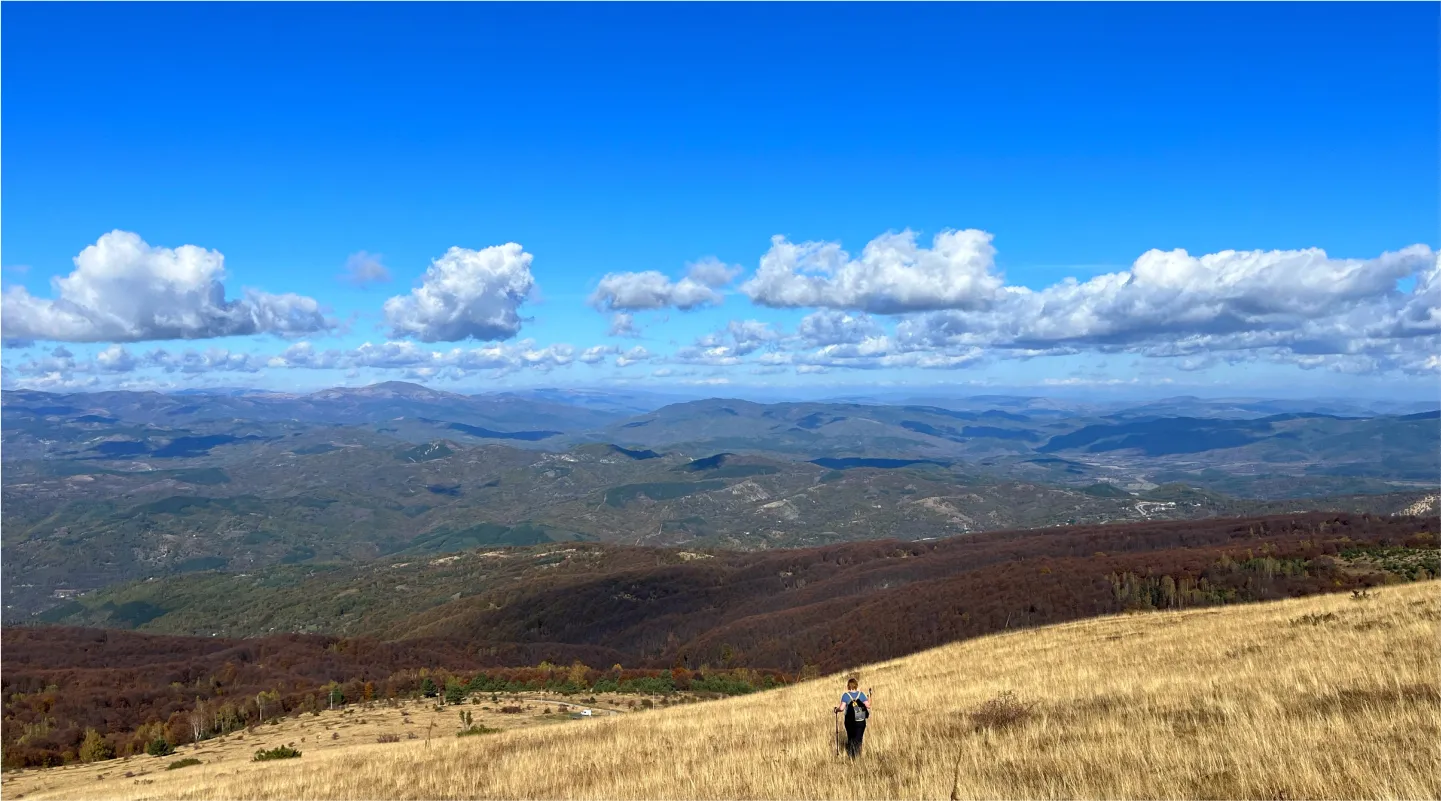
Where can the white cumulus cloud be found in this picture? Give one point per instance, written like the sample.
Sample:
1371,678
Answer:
116,359
465,294
1170,303
635,355
597,353
712,272
124,290
1301,307
210,360
741,337
834,327
650,290
623,325
893,275
61,366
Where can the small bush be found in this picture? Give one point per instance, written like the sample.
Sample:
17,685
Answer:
182,763
1000,712
511,710
388,738
279,752
410,735
1314,619
159,747
476,729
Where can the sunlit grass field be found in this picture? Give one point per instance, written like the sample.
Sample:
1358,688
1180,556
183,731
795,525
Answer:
1320,697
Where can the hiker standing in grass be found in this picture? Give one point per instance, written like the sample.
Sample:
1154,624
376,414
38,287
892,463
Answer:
857,706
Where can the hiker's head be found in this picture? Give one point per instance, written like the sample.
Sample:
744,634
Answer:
852,684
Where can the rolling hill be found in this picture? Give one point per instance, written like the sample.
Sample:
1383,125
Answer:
779,609
1275,700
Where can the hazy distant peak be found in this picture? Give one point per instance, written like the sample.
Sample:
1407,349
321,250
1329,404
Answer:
385,389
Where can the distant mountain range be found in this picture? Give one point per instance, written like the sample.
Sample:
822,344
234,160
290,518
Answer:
107,487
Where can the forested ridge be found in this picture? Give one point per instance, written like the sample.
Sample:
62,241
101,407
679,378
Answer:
732,622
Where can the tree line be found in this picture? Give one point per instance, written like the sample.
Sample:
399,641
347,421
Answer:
49,724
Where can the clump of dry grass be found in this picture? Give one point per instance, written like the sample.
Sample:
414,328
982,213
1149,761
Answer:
1233,702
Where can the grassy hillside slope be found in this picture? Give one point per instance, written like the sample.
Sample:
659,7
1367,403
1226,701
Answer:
1319,697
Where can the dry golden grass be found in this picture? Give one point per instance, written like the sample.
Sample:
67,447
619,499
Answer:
1322,697
412,722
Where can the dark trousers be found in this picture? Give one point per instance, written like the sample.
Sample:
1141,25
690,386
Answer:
855,732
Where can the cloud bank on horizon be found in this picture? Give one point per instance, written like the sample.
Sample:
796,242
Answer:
898,304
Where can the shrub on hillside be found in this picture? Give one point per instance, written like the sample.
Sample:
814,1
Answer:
94,748
159,747
1001,712
279,752
182,763
388,738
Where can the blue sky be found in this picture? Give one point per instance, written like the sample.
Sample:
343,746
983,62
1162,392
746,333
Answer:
620,139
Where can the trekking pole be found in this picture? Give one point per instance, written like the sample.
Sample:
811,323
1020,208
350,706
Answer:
837,738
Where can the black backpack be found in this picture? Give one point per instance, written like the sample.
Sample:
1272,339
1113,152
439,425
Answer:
855,713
